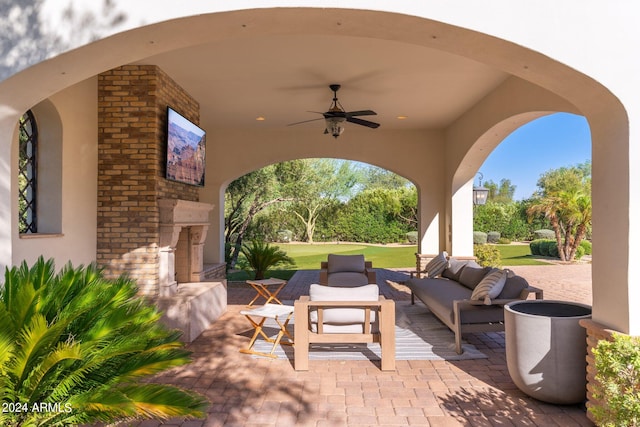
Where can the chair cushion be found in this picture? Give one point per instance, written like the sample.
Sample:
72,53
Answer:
340,263
343,320
347,279
490,286
437,265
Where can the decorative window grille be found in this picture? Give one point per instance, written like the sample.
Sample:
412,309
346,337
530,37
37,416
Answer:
27,174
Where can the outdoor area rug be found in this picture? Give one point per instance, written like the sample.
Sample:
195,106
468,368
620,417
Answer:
419,336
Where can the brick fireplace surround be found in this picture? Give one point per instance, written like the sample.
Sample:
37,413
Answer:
150,228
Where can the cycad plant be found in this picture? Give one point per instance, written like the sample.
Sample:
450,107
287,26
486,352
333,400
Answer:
75,346
262,256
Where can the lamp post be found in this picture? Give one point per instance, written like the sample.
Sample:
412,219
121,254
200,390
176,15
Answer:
480,193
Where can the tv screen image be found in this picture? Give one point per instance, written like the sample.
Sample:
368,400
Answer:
185,150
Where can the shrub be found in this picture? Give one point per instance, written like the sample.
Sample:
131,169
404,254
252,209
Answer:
617,401
86,344
544,234
534,246
487,255
285,236
479,238
412,237
262,256
579,252
493,237
586,245
546,247
504,241
552,248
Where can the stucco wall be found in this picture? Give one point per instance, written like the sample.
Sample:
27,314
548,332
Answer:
77,110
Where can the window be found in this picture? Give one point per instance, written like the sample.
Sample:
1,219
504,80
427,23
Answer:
27,174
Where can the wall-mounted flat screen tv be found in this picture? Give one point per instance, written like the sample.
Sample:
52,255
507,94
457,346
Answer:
185,149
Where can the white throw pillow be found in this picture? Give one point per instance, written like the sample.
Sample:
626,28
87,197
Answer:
437,265
490,286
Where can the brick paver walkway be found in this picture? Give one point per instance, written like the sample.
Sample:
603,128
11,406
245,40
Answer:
247,391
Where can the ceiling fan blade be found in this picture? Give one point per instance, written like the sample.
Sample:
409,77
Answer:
305,121
362,122
361,113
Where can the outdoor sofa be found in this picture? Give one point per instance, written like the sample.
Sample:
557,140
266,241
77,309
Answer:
467,297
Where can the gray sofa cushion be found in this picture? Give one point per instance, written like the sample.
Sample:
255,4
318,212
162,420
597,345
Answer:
439,294
455,268
341,263
343,320
470,276
513,286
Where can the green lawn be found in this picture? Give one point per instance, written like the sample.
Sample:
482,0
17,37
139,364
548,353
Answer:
518,255
309,256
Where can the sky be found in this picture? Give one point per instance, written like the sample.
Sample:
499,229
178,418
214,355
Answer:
550,142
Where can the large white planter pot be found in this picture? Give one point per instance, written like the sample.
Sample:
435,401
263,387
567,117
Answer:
546,349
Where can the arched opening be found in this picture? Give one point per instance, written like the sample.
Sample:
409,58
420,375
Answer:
319,200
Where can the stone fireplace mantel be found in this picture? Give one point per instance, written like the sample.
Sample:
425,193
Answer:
183,228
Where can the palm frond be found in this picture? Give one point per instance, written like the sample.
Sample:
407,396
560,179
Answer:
79,339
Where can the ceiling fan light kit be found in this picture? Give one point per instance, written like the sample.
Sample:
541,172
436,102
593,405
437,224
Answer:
336,116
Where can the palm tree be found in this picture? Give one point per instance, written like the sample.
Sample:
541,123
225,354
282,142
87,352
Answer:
77,346
569,213
262,256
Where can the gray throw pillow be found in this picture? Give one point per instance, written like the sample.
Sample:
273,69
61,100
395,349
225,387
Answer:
437,265
490,286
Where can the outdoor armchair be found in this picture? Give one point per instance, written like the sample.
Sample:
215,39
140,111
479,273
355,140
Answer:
346,271
344,315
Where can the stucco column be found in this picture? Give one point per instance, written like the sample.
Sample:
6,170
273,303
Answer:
213,246
461,221
7,229
430,213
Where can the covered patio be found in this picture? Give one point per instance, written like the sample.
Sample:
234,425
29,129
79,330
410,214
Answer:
254,391
448,81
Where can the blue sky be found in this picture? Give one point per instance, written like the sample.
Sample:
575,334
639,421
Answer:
549,142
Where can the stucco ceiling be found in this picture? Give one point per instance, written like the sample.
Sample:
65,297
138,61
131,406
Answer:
282,78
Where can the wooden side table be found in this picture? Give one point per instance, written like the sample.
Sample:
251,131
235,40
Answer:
268,289
269,311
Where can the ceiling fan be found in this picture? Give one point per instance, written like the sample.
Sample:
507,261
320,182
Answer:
336,116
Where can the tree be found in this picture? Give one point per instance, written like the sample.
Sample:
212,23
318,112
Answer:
502,193
84,345
244,199
318,183
375,177
564,198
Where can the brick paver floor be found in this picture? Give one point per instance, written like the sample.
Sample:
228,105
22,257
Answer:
247,391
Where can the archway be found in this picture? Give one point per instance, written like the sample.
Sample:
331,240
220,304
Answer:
439,145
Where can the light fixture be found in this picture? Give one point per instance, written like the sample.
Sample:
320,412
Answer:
260,119
334,126
480,193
